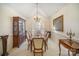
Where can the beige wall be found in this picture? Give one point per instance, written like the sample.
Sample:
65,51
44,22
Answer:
47,24
71,20
6,15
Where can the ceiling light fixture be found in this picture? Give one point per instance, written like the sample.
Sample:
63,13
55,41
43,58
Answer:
36,17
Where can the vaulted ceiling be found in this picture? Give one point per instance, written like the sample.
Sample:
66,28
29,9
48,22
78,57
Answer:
28,10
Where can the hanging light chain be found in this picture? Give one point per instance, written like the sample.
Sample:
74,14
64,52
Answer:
36,17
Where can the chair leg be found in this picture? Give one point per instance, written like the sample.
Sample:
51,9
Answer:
42,53
47,46
28,47
34,54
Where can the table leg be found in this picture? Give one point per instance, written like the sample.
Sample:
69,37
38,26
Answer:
74,53
68,52
59,49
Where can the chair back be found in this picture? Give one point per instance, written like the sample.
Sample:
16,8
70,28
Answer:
45,33
46,36
29,35
38,43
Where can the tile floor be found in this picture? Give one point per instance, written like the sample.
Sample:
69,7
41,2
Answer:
53,50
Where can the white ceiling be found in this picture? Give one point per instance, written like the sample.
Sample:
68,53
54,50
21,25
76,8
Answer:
28,10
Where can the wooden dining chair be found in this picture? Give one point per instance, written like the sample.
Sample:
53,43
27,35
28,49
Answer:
46,40
29,39
38,45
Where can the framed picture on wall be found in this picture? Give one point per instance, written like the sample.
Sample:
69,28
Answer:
58,23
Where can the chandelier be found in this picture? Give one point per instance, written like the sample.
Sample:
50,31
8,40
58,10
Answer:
36,17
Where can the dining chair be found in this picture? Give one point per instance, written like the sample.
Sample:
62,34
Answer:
46,40
29,39
38,45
